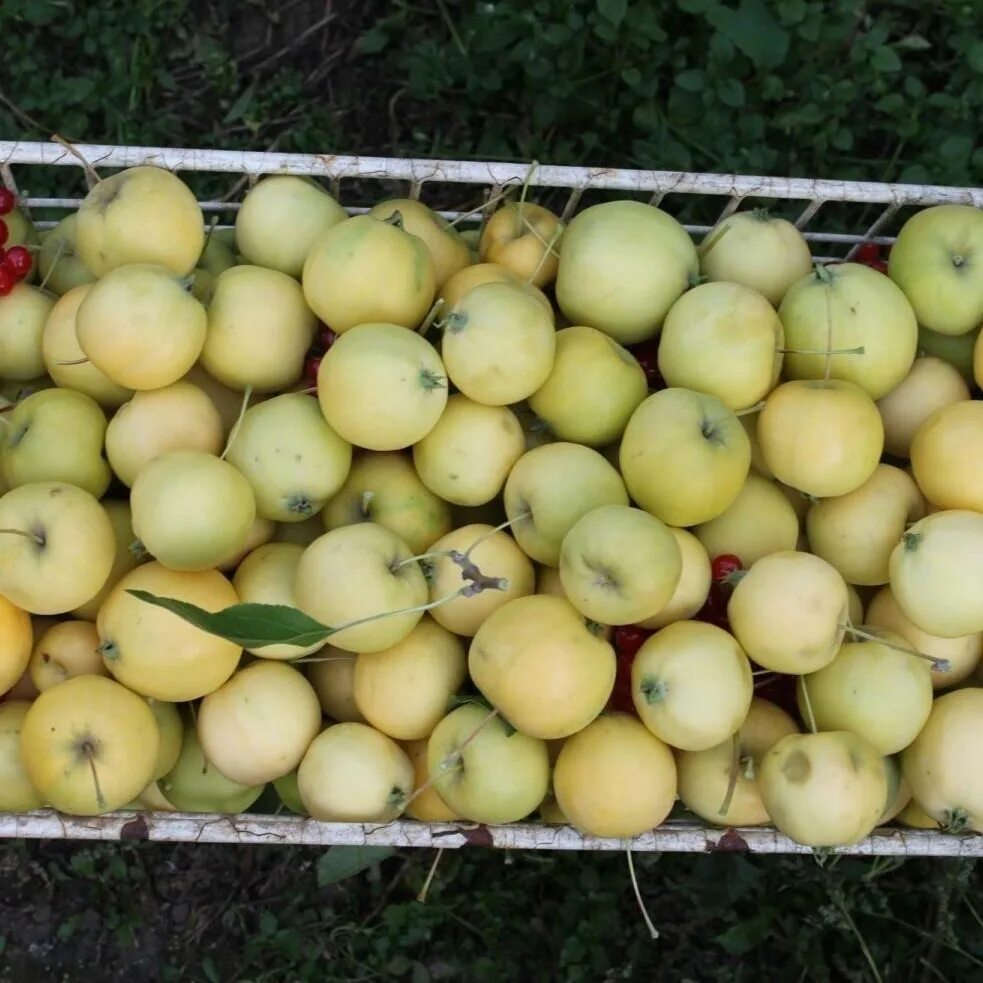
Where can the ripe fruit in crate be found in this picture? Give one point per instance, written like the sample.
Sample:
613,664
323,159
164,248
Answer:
542,666
468,454
55,435
332,675
723,339
426,806
942,765
947,456
524,238
871,689
259,330
140,326
484,769
156,653
22,317
820,437
258,725
754,249
826,789
470,277
17,794
789,612
59,264
227,401
857,532
622,267
382,387
930,385
694,583
215,259
366,270
684,456
16,642
550,488
64,360
498,343
692,685
358,571
56,547
191,510
592,390
292,458
281,217
447,249
288,790
705,777
385,489
619,565
937,573
759,521
957,350
171,729
614,778
859,316
194,784
140,215
497,555
936,262
404,690
353,774
67,649
89,745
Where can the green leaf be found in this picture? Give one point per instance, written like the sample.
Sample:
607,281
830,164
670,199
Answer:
248,625
745,935
372,41
731,93
696,6
209,970
754,31
956,147
885,59
613,10
238,109
974,57
692,80
342,862
631,77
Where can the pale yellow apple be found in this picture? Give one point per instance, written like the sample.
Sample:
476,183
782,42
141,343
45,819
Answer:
140,215
723,339
67,649
177,417
384,488
59,264
592,390
947,456
260,533
17,794
366,270
289,792
496,554
352,773
915,817
360,572
750,423
498,343
468,454
258,725
524,238
470,277
140,326
56,547
332,674
694,582
227,401
539,663
549,488
823,438
259,330
170,726
157,653
281,217
191,509
302,533
615,778
759,521
684,456
16,643
22,318
930,385
426,806
89,745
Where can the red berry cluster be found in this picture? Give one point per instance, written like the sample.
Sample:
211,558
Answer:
323,340
872,255
647,355
15,262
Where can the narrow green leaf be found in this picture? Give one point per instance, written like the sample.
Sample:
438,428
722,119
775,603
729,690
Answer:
342,862
248,625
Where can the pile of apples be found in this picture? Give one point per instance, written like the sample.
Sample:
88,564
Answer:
572,522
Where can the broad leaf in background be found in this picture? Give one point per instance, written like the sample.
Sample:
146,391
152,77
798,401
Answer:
341,862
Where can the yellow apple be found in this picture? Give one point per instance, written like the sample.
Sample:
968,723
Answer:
470,277
17,794
67,649
59,264
22,318
124,559
426,806
524,238
694,582
332,674
170,726
947,456
260,533
16,643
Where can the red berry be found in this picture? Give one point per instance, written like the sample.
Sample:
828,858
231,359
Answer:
4,232
312,366
18,261
647,355
724,565
878,264
7,201
7,281
628,639
866,252
326,337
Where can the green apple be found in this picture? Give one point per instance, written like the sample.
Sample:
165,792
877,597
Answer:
215,259
483,769
22,316
287,787
56,435
684,456
937,260
593,388
17,794
58,261
957,350
550,487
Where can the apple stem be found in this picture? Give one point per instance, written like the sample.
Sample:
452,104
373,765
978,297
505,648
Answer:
939,665
91,176
494,200
712,240
428,321
208,237
87,751
750,409
653,931
548,248
138,550
234,432
430,555
38,539
499,528
828,366
859,350
735,764
366,501
51,269
811,717
73,361
422,896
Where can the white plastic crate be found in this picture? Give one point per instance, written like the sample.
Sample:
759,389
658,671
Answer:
871,205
